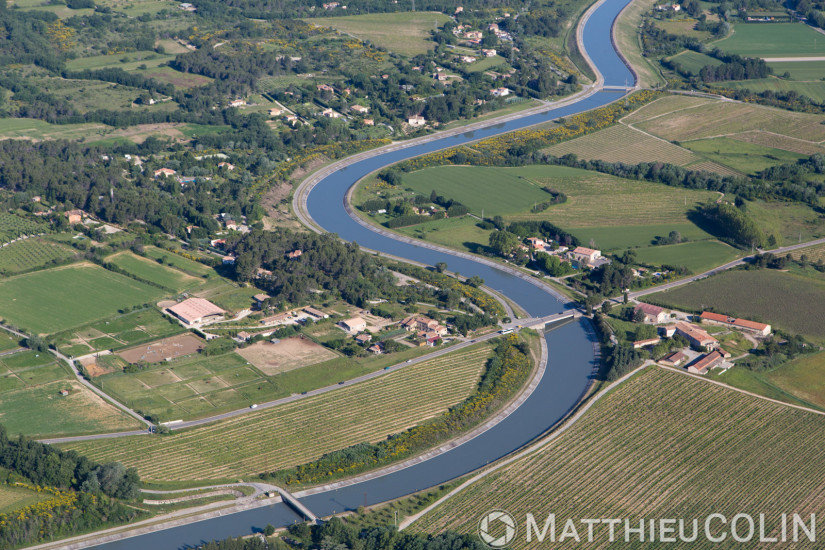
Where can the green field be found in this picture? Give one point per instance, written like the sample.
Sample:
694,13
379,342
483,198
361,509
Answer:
773,40
683,27
787,301
153,271
698,257
608,238
790,223
813,90
804,378
693,62
486,64
116,332
31,404
14,498
177,261
13,226
662,445
31,253
365,412
800,70
57,299
747,158
407,33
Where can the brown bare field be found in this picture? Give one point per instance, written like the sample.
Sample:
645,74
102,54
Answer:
95,369
155,352
176,78
287,355
663,106
710,166
662,445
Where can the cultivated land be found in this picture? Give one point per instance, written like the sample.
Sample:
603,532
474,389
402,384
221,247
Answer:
661,445
698,257
744,157
31,404
289,434
116,332
407,33
152,271
773,40
803,378
788,301
286,355
164,349
55,299
31,253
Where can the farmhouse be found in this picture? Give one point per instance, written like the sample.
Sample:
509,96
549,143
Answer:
275,111
674,359
488,53
667,331
259,299
536,243
165,172
500,92
329,113
237,103
422,323
360,109
356,324
638,344
273,319
375,348
228,260
74,216
707,362
696,336
711,318
226,165
317,313
468,59
363,338
653,314
196,311
416,120
324,88
368,122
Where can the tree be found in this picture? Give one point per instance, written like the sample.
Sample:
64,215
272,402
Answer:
441,267
638,316
475,281
269,530
504,243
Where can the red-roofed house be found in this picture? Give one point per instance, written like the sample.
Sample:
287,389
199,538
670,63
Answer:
674,359
638,344
653,314
585,256
696,336
703,365
711,318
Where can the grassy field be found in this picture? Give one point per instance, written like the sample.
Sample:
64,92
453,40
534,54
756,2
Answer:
621,143
503,190
662,445
693,62
744,157
787,301
804,378
155,272
364,412
14,498
31,253
117,331
784,143
31,404
813,90
407,33
773,40
27,128
683,27
64,297
790,223
696,256
127,61
800,70
177,261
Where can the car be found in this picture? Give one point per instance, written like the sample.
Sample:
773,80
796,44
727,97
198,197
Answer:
253,406
303,393
386,368
341,383
409,360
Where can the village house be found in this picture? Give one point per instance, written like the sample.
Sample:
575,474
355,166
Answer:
375,349
261,272
74,216
536,243
260,299
237,103
473,35
416,121
368,122
360,109
653,314
294,254
354,325
325,88
329,113
196,311
667,331
228,260
583,256
489,53
710,318
468,59
318,314
674,359
217,243
705,363
275,112
500,92
363,338
421,323
226,165
697,337
164,172
275,319
243,336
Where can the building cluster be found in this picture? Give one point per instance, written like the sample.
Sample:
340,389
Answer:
712,355
579,257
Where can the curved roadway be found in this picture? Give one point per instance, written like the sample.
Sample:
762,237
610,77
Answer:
572,347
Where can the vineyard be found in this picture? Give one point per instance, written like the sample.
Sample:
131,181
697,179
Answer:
289,434
663,106
27,254
152,271
13,226
788,301
621,143
784,143
662,445
813,253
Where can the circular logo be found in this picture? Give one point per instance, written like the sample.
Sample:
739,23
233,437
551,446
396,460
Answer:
497,528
